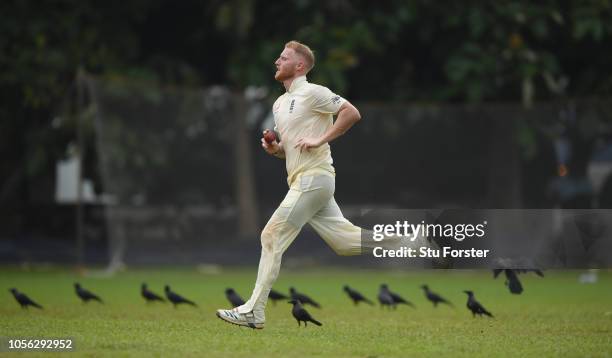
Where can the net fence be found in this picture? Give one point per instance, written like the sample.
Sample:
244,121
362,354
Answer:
169,166
183,179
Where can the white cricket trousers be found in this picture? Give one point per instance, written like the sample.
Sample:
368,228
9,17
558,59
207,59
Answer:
310,200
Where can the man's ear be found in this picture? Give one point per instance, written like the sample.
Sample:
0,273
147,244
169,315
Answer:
301,65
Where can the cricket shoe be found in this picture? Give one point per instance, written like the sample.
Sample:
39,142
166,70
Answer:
240,319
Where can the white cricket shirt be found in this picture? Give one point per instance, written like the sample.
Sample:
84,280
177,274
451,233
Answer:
305,110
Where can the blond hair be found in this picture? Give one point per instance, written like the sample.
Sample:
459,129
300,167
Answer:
304,51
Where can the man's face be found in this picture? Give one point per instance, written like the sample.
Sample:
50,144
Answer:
286,65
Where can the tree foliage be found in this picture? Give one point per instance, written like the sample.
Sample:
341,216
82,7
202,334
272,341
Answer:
379,51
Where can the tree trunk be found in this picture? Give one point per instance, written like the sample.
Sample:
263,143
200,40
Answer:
245,186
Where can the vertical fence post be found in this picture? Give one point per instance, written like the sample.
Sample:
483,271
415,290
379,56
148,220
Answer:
79,153
245,188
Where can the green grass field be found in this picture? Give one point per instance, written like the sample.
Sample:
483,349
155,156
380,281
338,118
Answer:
555,316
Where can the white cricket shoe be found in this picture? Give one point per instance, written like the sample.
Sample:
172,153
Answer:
240,319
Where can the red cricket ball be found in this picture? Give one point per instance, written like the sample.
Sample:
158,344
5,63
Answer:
269,136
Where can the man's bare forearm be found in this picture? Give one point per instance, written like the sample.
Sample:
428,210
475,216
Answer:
347,117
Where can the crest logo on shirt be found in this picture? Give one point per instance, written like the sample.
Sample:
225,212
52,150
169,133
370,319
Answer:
335,99
291,106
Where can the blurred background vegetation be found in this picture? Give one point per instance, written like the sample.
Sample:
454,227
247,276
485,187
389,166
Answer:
388,52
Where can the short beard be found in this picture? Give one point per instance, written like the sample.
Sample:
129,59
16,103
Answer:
281,76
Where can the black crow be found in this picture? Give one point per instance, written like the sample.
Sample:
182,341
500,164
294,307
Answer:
149,295
85,295
512,280
388,298
356,296
302,298
23,300
301,314
475,306
434,297
176,299
385,298
233,297
275,296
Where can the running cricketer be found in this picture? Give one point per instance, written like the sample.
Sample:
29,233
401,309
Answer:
304,119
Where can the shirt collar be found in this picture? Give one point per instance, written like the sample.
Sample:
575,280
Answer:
297,82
